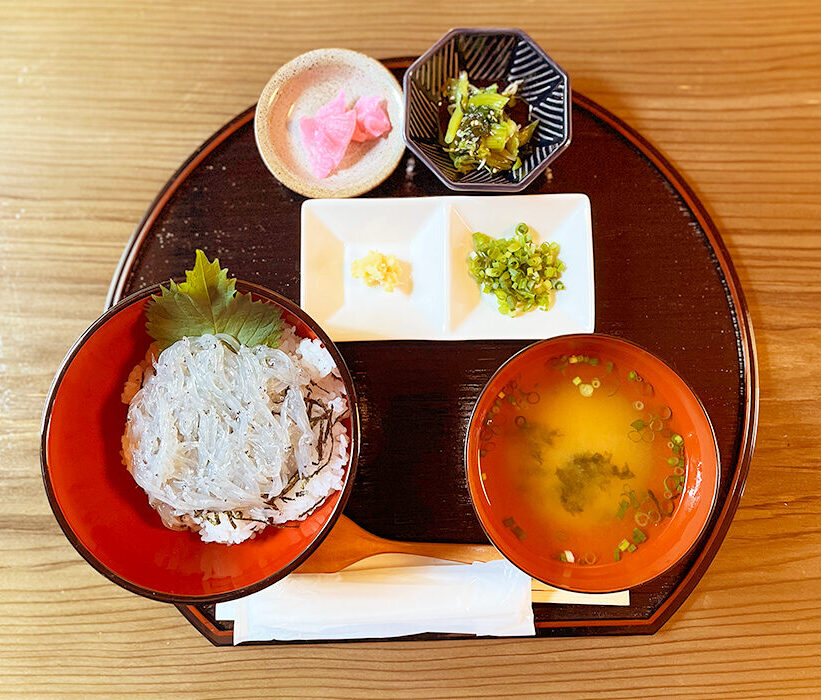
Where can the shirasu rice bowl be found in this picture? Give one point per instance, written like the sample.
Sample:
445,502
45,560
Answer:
227,439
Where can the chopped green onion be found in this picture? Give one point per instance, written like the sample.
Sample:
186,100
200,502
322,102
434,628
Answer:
675,481
617,554
576,381
623,545
631,548
513,271
638,536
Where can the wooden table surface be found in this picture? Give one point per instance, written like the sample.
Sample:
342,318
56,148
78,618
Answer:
99,104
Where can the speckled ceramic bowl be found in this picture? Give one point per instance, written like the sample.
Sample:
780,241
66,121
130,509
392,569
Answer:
299,89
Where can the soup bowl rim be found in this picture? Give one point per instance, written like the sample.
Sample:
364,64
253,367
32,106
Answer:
608,338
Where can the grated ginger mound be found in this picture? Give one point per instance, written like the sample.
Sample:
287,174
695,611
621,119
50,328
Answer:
377,270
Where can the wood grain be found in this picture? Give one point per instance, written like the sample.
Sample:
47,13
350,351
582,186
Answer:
102,101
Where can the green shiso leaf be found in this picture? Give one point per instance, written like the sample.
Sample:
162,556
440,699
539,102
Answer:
208,303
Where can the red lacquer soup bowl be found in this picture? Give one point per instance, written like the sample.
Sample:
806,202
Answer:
103,512
538,548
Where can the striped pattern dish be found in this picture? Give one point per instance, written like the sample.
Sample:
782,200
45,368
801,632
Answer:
488,55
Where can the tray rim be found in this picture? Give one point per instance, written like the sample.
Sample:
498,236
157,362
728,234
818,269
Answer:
744,334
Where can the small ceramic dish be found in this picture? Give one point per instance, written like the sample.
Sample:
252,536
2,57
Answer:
432,239
598,527
298,89
103,512
489,56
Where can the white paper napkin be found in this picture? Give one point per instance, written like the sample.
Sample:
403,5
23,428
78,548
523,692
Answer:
486,599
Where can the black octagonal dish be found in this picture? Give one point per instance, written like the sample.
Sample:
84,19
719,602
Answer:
488,56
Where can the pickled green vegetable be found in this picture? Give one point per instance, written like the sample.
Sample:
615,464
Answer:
521,275
480,133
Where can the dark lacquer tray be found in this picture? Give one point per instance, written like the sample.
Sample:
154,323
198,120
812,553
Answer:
663,279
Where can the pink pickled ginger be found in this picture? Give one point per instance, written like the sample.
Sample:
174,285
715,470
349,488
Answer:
326,135
336,106
371,119
326,140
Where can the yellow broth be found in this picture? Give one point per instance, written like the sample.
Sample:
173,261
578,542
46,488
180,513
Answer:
579,456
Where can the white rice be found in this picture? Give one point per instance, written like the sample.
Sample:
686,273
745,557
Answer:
225,442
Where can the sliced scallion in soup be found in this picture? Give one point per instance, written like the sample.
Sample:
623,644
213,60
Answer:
581,455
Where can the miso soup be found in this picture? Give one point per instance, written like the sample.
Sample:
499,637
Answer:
581,455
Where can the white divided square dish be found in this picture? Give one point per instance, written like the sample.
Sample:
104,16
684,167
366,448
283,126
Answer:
436,298
560,218
337,232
